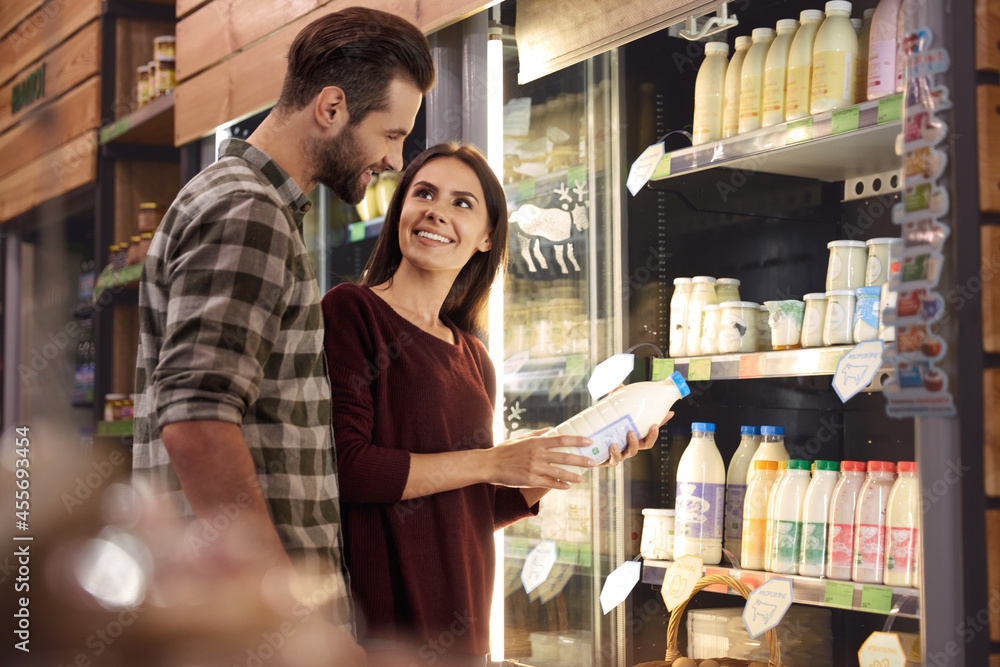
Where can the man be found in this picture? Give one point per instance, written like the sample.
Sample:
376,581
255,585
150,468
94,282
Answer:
233,418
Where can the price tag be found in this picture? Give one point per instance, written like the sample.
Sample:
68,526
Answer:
856,369
609,374
356,232
839,594
798,131
537,565
526,190
767,605
643,168
844,120
680,579
662,368
876,598
882,649
890,109
751,366
700,369
619,584
662,169
568,552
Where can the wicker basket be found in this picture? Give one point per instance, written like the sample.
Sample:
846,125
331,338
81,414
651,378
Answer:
675,623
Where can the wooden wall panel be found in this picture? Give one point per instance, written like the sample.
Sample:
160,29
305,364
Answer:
45,29
71,165
134,47
991,432
125,334
990,243
185,7
52,125
988,35
78,59
989,147
12,12
221,94
993,567
136,182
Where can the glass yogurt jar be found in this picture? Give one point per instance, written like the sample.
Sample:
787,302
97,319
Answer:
847,266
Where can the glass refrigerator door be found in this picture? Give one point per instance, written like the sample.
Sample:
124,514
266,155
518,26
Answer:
561,317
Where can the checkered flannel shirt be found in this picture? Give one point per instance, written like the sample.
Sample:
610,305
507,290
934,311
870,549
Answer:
231,329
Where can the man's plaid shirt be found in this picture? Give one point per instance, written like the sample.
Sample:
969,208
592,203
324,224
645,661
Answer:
231,330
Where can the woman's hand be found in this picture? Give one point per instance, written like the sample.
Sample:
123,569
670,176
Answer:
529,462
633,446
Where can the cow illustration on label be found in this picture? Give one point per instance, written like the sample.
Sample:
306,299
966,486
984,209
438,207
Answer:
554,225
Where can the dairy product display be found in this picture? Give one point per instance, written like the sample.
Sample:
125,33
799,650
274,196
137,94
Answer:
812,320
789,501
738,326
711,316
736,478
882,48
866,314
752,80
902,529
869,523
700,498
815,518
798,82
840,538
769,531
679,316
861,81
709,93
657,541
731,91
786,323
775,73
702,294
771,448
637,408
847,265
764,329
877,269
838,327
763,476
727,289
835,55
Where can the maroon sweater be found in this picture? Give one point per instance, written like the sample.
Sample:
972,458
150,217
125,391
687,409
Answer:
421,569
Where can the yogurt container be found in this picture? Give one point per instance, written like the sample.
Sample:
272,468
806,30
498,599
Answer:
738,326
786,323
847,266
877,271
866,314
838,325
657,534
727,289
710,329
679,316
763,330
812,321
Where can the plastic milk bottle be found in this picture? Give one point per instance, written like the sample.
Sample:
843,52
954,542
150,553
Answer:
759,493
700,498
736,487
840,529
731,108
769,533
835,54
798,84
709,89
678,316
815,514
752,80
869,522
788,504
772,446
775,73
882,49
902,521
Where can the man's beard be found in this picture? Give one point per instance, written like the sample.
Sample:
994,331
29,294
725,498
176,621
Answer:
337,165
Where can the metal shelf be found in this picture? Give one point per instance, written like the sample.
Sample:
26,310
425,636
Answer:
832,146
807,590
750,365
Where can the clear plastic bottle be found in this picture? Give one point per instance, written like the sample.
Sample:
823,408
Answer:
772,446
736,487
700,499
788,506
815,515
769,532
798,84
869,523
835,56
840,536
752,80
902,536
702,294
709,89
883,44
754,540
864,37
637,408
775,73
678,317
731,106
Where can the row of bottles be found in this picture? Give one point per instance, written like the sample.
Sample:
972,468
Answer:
792,516
818,63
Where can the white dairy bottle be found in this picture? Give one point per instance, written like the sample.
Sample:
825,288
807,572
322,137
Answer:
702,294
864,38
902,528
771,448
840,521
798,81
900,50
882,49
835,55
637,408
736,487
709,90
788,505
752,80
731,91
701,496
775,73
678,317
759,493
815,515
869,523
769,532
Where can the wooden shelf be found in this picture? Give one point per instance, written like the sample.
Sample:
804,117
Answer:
152,125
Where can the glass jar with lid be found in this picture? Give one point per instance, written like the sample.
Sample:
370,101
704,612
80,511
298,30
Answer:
150,215
727,289
113,406
134,250
812,321
117,259
764,329
738,326
838,326
702,294
847,266
166,77
142,85
879,260
678,317
710,328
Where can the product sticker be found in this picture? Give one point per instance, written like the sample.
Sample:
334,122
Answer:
619,584
766,606
841,545
699,369
732,327
735,495
680,579
890,109
870,542
798,131
814,543
835,314
839,594
924,164
882,66
923,129
538,565
787,540
845,120
877,599
662,368
644,167
614,434
752,365
867,307
901,550
924,232
881,649
700,509
754,537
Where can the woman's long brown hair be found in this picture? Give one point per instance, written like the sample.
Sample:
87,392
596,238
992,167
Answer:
466,303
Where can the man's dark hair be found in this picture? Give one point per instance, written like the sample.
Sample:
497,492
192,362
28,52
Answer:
360,51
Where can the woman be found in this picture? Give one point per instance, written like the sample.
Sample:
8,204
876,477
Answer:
422,487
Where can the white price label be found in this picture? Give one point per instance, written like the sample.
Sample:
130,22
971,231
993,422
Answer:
767,605
643,168
609,374
856,369
619,584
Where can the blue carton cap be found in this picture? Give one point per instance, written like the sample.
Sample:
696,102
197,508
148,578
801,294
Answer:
704,427
682,386
772,430
749,430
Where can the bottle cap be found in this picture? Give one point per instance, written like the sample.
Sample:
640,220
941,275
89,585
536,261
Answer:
703,427
152,205
782,465
717,47
838,6
772,430
890,240
797,464
739,304
852,466
703,279
857,23
787,24
682,281
679,382
907,466
728,281
845,244
743,40
749,430
827,465
811,15
814,296
762,33
869,12
760,464
881,466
